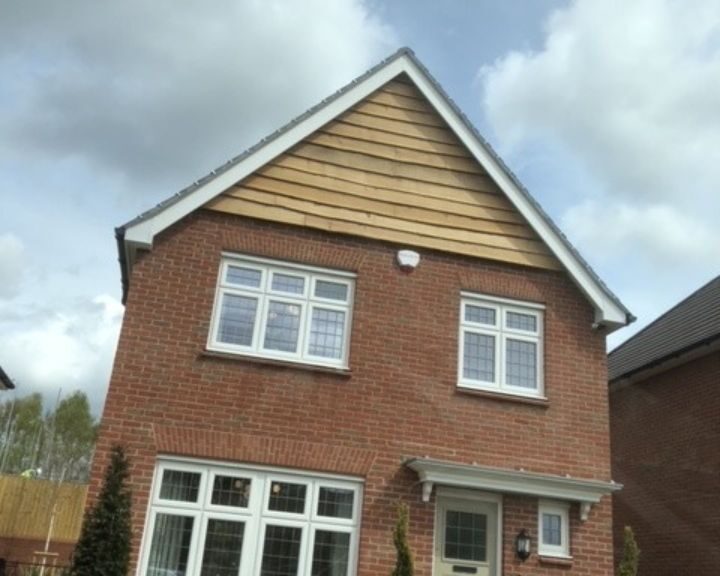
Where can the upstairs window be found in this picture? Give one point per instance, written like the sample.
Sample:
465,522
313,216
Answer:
284,311
501,345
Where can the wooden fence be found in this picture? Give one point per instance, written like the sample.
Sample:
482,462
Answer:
27,505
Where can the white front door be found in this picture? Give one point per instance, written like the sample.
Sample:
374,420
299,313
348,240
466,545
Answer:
466,533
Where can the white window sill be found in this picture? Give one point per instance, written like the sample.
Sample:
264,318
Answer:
500,394
277,362
555,559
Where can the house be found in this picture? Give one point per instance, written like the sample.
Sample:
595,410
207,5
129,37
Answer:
665,429
5,382
364,309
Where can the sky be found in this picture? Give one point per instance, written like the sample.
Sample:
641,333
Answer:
607,111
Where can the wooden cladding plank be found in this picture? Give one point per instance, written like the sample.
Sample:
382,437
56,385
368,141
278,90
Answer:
376,205
380,150
393,168
474,208
432,133
352,214
399,101
403,89
487,196
427,119
340,128
277,214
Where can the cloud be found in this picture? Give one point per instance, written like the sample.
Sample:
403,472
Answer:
12,265
157,90
625,97
70,349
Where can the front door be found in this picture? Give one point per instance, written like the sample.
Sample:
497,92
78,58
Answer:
466,537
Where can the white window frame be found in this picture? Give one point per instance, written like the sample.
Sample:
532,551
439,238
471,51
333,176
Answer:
554,508
501,333
307,301
256,515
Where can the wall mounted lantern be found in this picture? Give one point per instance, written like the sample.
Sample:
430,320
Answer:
522,545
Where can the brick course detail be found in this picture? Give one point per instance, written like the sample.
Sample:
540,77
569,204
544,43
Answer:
398,400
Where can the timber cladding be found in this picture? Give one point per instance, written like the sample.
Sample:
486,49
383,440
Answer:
391,169
26,507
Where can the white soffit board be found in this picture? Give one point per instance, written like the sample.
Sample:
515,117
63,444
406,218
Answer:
141,233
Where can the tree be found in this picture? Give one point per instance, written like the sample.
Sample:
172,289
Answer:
404,561
631,554
22,423
104,545
71,432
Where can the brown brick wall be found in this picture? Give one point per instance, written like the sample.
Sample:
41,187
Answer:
400,399
666,451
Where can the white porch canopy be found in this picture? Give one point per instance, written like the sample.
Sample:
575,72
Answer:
585,492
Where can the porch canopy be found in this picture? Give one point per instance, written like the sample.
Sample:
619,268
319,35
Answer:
585,492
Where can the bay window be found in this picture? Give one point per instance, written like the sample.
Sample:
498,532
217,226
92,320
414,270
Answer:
208,520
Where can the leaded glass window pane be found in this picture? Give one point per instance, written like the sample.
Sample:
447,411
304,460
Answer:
281,552
231,491
480,314
243,276
180,486
552,529
521,363
281,330
237,319
335,502
223,548
465,536
288,283
326,333
518,321
287,497
331,290
170,545
479,357
331,553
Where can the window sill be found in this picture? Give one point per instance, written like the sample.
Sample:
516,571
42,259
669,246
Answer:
565,561
214,354
503,396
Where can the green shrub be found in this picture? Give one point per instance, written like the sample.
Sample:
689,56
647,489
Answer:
104,545
631,554
404,561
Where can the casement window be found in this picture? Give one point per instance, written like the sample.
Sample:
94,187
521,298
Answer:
501,345
284,311
207,520
554,529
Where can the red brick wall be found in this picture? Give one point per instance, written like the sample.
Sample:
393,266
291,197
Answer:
666,451
400,399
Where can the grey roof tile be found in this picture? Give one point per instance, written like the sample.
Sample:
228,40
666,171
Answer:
691,323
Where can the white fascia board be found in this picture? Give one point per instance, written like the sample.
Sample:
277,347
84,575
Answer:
143,232
431,472
607,311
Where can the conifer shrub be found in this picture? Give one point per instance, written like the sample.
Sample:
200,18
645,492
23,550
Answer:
404,561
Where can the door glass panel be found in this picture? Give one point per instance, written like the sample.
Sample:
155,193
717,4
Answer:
330,553
281,551
223,547
335,502
231,491
180,486
465,536
170,546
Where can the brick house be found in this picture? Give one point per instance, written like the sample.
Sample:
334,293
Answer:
665,435
363,309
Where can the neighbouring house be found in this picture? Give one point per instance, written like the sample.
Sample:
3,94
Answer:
665,425
366,308
5,382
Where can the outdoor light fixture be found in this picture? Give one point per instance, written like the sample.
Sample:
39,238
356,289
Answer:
522,545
